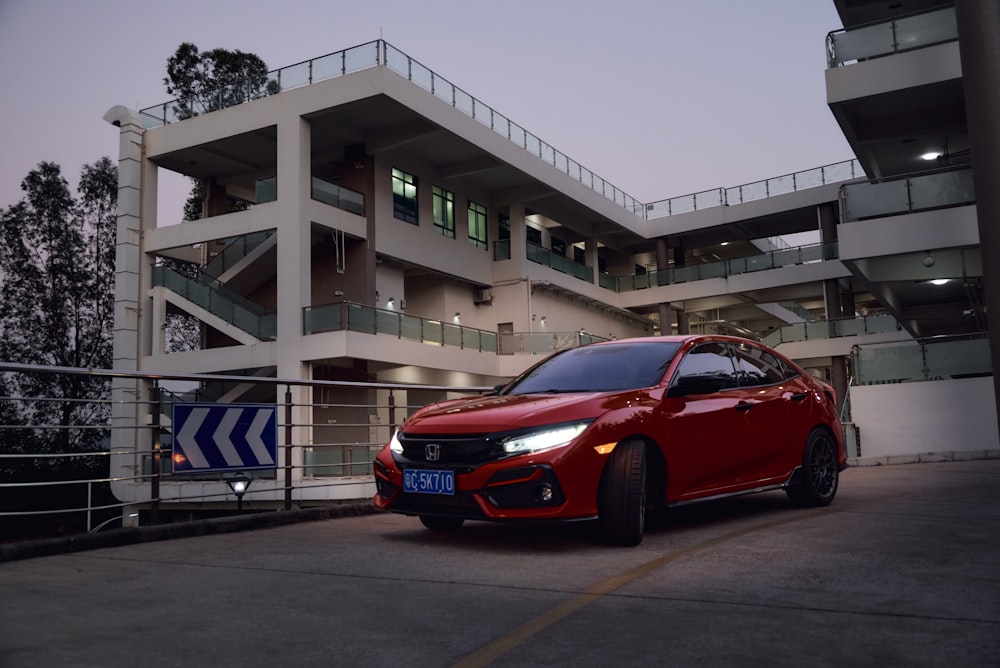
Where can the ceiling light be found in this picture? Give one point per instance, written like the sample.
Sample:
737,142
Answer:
931,155
939,281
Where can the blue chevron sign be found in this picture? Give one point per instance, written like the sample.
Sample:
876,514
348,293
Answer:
224,437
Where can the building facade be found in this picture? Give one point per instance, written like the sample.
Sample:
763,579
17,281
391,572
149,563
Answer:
372,221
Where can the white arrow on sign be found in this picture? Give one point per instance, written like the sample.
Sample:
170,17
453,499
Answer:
186,438
222,440
255,437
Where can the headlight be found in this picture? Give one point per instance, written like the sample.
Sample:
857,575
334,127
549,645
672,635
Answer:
544,439
394,443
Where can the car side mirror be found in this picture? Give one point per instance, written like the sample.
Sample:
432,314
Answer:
694,385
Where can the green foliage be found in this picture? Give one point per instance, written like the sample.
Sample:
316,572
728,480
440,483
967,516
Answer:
56,308
211,80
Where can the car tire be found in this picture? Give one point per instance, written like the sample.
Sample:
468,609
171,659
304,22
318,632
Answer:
820,473
621,501
437,523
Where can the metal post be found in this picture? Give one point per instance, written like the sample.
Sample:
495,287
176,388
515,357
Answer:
154,481
288,447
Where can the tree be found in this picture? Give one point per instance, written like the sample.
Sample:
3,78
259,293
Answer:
211,80
56,309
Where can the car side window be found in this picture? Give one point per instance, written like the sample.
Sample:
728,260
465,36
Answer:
755,366
709,362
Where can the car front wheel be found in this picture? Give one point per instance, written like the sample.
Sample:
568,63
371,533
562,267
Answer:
621,503
820,472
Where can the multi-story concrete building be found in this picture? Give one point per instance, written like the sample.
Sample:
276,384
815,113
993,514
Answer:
390,227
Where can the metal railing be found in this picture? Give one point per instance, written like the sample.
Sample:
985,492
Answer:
832,328
560,263
324,443
380,53
741,265
885,38
778,185
360,318
215,298
937,358
909,193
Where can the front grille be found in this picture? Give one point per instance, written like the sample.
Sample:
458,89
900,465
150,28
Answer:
466,451
461,504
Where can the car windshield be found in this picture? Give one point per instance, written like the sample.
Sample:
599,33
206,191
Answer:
606,367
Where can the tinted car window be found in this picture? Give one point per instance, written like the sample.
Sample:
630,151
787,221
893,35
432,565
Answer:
600,368
709,361
758,367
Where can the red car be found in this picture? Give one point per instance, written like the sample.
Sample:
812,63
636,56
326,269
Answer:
606,430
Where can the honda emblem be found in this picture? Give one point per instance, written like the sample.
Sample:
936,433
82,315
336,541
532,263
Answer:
432,451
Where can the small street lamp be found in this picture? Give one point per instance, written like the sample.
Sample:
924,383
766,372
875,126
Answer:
239,484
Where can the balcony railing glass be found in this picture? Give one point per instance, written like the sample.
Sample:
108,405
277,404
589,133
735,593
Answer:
741,265
835,327
359,318
209,295
882,39
907,194
338,196
922,360
560,263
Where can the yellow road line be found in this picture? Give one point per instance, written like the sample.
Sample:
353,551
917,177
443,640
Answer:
505,643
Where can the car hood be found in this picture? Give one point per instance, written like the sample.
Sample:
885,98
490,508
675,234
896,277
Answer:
485,414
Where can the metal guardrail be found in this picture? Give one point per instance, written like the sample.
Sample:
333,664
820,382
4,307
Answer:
906,33
53,482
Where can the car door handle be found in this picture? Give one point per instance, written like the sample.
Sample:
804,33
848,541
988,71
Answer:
743,408
799,397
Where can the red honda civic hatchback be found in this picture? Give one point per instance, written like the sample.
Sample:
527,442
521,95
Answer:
606,430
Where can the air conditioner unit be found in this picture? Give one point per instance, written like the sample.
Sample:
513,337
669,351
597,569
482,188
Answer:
482,297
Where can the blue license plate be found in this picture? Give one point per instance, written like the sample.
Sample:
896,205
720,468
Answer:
425,481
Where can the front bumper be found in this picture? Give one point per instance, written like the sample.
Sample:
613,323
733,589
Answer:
496,491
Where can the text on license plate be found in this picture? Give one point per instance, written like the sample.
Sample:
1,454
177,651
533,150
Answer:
423,481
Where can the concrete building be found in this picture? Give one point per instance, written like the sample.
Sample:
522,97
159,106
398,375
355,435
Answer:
372,221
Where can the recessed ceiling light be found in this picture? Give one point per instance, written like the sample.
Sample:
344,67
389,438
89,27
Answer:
931,155
939,281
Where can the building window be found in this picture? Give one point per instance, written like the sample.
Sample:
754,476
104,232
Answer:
477,225
404,196
559,247
444,212
534,235
579,254
503,233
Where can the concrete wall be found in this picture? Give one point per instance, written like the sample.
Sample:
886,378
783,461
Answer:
944,418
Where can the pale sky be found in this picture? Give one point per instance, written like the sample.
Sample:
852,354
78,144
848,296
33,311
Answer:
660,97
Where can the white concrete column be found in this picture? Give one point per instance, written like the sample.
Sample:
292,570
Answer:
126,411
294,271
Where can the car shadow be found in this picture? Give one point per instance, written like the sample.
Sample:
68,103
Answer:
558,537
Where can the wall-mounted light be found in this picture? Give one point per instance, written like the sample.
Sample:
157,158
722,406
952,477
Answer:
390,303
457,318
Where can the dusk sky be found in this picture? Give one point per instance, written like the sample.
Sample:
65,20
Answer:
660,97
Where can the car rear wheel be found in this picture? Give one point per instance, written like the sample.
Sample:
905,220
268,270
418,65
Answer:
621,502
436,523
820,473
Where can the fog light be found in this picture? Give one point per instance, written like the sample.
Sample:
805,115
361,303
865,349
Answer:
545,493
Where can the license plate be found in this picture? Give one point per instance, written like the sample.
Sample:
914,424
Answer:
425,481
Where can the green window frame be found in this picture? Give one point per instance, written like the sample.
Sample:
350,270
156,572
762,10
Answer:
444,211
477,226
404,196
